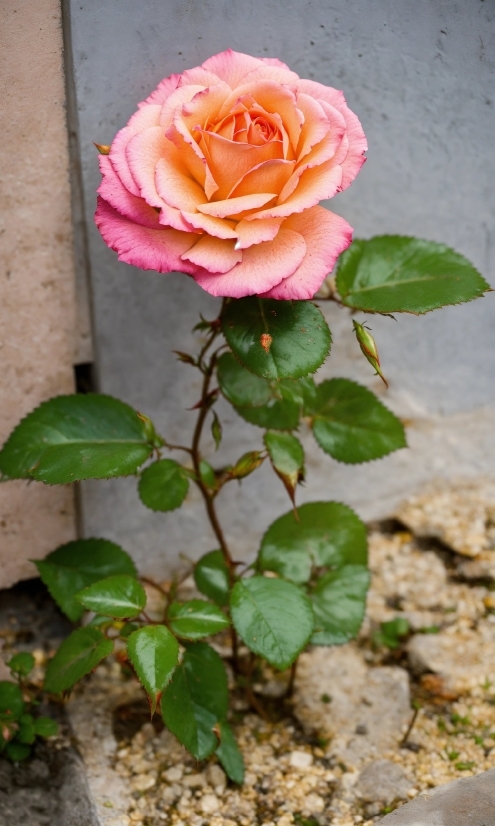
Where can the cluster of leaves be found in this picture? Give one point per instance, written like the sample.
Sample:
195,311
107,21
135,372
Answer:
19,727
309,581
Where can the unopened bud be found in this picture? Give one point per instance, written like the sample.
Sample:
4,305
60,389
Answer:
246,464
368,348
103,148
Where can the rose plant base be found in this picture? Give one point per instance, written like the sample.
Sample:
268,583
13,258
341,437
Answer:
219,175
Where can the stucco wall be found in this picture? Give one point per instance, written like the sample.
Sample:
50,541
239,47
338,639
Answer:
37,309
420,76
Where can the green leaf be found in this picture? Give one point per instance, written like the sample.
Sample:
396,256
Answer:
326,534
196,618
78,564
352,425
21,664
216,430
276,339
197,700
11,702
261,402
394,274
85,436
26,733
154,653
339,602
207,474
273,617
391,632
163,486
128,629
17,751
79,654
45,727
229,754
287,458
120,596
211,576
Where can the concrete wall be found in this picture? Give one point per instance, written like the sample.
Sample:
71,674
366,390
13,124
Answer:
38,320
421,78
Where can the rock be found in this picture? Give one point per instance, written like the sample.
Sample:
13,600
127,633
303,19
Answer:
216,778
143,782
462,517
466,802
382,782
463,659
483,567
173,774
375,700
301,759
194,781
210,804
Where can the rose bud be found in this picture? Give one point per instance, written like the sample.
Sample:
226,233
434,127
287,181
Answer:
368,348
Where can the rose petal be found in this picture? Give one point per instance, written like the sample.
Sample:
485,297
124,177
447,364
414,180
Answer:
183,94
149,249
144,118
270,176
174,186
219,227
162,91
262,267
279,73
230,161
274,98
118,196
213,254
190,153
316,125
235,206
198,77
231,66
316,184
326,236
254,232
143,153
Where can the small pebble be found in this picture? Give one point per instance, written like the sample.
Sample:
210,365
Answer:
301,759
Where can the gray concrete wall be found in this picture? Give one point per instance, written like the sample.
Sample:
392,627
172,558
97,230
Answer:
421,78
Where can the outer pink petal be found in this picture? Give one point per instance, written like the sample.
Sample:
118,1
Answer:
113,190
181,95
326,236
198,77
278,72
357,139
213,254
235,206
231,66
162,91
149,249
255,232
262,266
143,119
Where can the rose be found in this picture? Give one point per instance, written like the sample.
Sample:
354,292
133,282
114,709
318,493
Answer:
218,175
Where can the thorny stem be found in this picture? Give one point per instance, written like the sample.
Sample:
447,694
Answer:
207,370
410,727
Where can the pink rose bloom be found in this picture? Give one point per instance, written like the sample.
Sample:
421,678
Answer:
219,173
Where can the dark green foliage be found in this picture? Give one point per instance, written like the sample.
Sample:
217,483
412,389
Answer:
197,700
273,617
78,564
276,339
163,485
324,534
339,602
212,577
394,274
120,596
154,653
352,425
78,655
196,618
70,438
